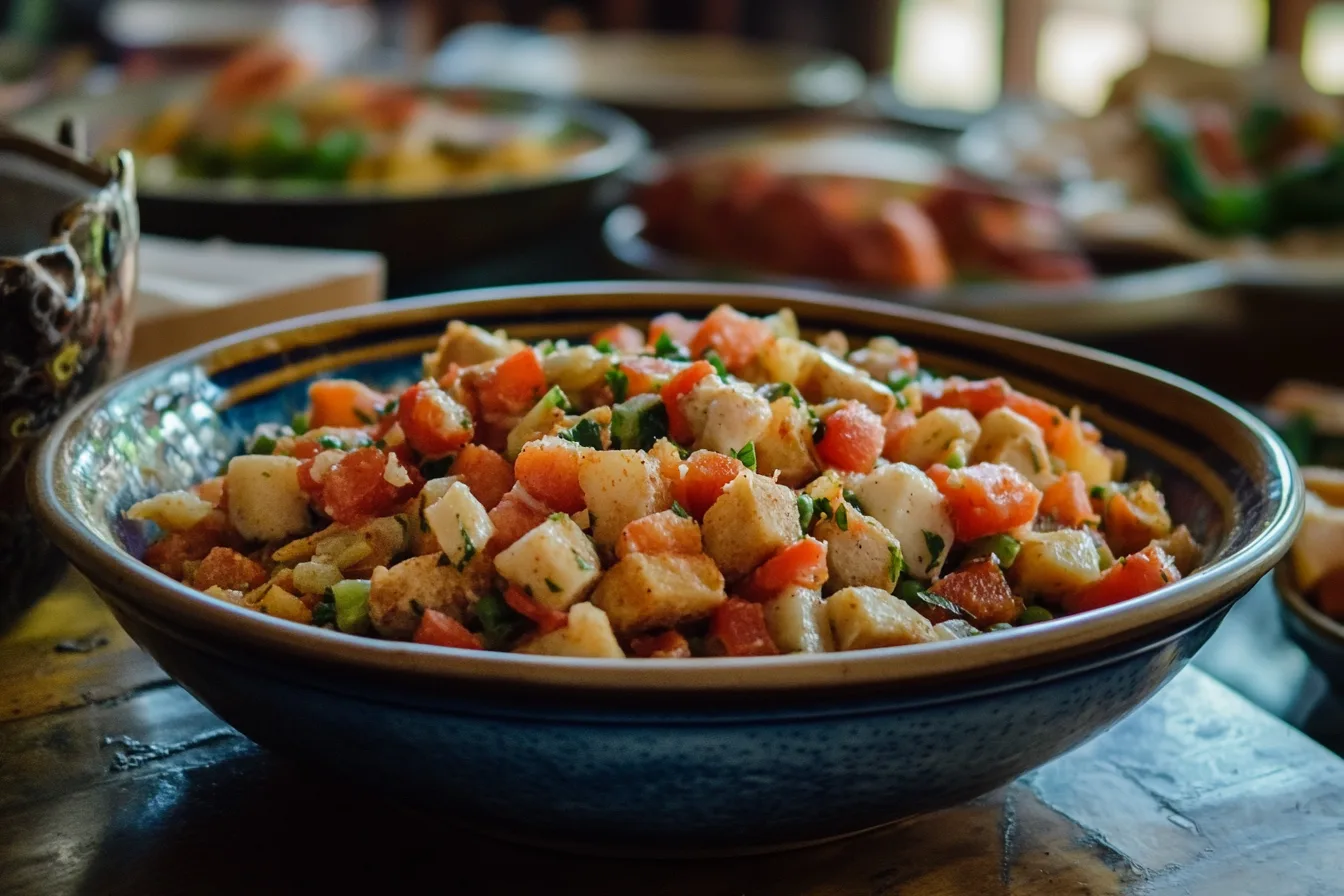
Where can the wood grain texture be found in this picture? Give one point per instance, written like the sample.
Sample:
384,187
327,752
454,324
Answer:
115,781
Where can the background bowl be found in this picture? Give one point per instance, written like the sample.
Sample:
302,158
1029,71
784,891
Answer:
68,237
1319,636
659,755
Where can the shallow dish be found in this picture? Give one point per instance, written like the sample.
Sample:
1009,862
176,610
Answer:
1321,637
660,755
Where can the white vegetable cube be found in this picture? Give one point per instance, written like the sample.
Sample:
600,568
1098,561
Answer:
1053,564
1319,547
785,360
619,487
171,511
831,378
954,630
863,618
749,523
798,622
588,634
555,563
1007,437
460,523
937,434
1090,459
784,447
650,591
265,501
422,536
725,416
902,498
861,552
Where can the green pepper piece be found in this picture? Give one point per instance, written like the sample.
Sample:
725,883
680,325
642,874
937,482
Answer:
333,155
351,597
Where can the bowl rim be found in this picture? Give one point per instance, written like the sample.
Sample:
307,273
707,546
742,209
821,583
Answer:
927,665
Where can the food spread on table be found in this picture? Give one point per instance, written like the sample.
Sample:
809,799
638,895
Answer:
718,487
266,116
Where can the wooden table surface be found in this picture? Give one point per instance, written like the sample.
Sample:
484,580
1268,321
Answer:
115,781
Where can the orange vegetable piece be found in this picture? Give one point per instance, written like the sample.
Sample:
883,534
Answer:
1054,423
659,533
343,403
735,336
980,589
547,620
802,563
678,427
228,569
985,499
549,471
1329,594
1129,525
896,427
513,517
646,374
707,472
1130,577
678,329
904,247
485,472
354,489
433,423
511,386
740,627
854,438
977,396
667,645
621,337
1067,501
442,630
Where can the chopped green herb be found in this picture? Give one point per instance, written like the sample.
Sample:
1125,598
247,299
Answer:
330,443
852,499
262,445
557,516
666,348
818,431
822,506
555,397
842,518
934,542
468,549
380,444
913,593
638,422
555,589
806,509
365,417
619,384
1034,614
390,408
500,623
1097,492
324,613
896,381
895,562
586,433
299,423
717,363
902,401
748,456
776,391
437,468
680,511
583,563
605,347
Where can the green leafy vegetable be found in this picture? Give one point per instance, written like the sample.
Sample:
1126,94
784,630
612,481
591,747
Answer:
605,347
619,384
555,589
586,433
324,613
717,363
262,445
351,597
680,511
500,623
914,593
895,562
842,518
330,443
748,456
468,548
935,544
776,391
666,348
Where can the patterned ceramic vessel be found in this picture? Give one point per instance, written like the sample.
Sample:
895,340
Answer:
661,756
68,235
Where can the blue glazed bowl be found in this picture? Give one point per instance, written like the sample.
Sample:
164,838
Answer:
659,756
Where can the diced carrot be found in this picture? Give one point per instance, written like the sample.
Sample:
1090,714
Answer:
513,517
230,570
896,427
1054,423
549,470
511,386
659,533
1130,577
1329,594
343,403
433,423
356,489
853,440
802,563
621,337
485,472
1066,501
980,589
740,626
442,630
678,329
547,620
733,335
667,645
985,499
645,374
977,396
707,472
678,427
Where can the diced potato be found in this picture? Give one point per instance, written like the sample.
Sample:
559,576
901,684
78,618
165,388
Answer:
315,578
783,360
882,357
861,554
588,634
783,323
279,603
750,521
648,591
228,595
171,511
461,525
1134,519
265,501
555,563
464,345
831,378
784,447
576,368
798,623
422,536
902,498
377,542
1006,437
1091,459
833,342
954,630
938,434
546,417
620,486
400,594
1319,547
863,618
1183,549
725,416
1326,482
1053,564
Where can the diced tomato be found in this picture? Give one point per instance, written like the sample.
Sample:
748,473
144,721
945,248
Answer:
343,403
1329,594
977,396
356,489
1130,577
667,645
733,335
513,517
228,569
442,630
980,589
985,499
305,449
896,427
549,470
169,553
485,472
434,424
678,329
853,440
547,620
659,533
645,374
621,337
678,427
1066,501
740,627
511,386
801,564
707,472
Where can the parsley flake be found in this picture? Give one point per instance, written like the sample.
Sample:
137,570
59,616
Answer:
842,518
666,348
935,544
619,384
748,456
717,363
555,589
680,511
468,548
586,433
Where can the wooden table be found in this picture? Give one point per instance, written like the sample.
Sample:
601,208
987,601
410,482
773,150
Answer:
115,781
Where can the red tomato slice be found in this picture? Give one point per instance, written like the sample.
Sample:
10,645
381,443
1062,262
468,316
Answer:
1130,577
434,424
442,630
740,627
985,499
678,427
980,589
802,563
853,440
547,620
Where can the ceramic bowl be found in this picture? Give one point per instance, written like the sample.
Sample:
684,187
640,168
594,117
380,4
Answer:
68,237
661,756
1319,636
